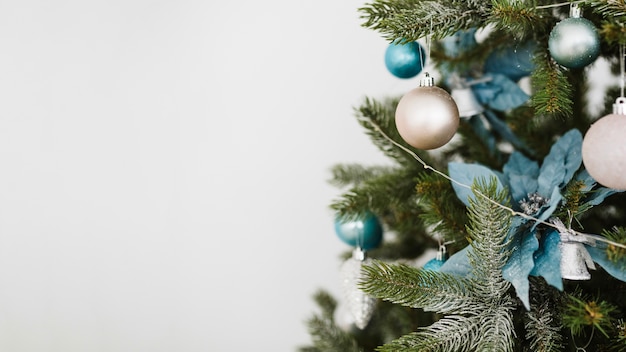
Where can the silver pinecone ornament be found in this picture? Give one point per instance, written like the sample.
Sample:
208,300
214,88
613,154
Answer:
360,304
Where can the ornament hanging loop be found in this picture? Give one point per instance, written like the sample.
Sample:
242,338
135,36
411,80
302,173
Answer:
619,108
427,80
575,11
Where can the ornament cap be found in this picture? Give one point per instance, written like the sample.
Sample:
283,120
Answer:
427,80
358,254
619,108
575,11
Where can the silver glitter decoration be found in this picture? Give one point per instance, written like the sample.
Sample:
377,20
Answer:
575,259
534,202
360,304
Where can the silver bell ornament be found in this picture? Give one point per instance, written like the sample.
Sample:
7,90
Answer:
604,150
575,259
360,304
466,102
427,117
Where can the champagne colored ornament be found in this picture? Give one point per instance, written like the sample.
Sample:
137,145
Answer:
574,42
604,148
364,232
427,117
405,60
360,304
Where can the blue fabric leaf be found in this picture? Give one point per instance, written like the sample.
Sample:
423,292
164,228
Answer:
487,136
521,173
548,260
499,93
616,269
520,264
459,43
561,163
503,130
466,174
458,264
514,62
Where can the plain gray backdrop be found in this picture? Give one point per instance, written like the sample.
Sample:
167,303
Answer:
164,169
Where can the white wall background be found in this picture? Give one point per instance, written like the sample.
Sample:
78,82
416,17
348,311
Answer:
163,169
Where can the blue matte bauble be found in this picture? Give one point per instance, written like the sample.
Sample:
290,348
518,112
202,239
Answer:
574,42
405,60
514,61
364,232
434,264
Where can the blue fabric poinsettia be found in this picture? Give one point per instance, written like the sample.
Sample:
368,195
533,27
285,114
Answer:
537,192
495,89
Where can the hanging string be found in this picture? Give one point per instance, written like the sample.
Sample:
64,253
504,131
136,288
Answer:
584,348
622,53
558,5
590,237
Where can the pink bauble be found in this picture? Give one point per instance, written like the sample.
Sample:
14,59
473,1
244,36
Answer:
427,117
604,151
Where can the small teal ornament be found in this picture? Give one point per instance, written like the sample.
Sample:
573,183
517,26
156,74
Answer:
405,60
364,232
436,263
574,42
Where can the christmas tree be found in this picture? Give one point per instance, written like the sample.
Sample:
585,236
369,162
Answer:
501,165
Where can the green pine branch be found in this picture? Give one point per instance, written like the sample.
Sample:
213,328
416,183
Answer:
325,335
553,91
442,212
416,288
479,307
543,323
354,174
517,18
410,20
379,116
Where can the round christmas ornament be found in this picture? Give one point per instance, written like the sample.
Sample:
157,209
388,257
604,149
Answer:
604,148
364,232
405,60
427,117
574,42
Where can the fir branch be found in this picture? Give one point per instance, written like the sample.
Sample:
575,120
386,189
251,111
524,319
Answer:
480,306
411,20
373,114
517,18
542,323
442,212
326,336
608,8
581,311
454,333
617,234
488,228
417,288
354,174
551,87
379,194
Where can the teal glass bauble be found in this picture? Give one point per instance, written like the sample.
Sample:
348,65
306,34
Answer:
364,232
405,60
574,42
